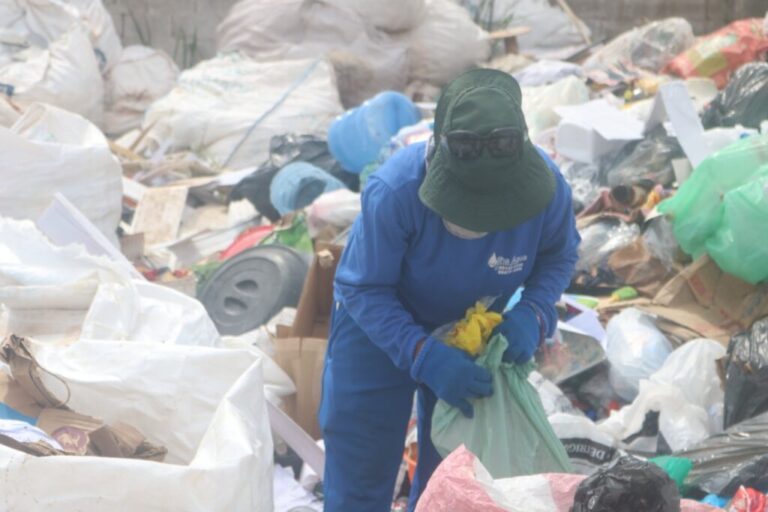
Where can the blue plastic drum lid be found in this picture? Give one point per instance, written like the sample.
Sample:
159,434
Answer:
356,138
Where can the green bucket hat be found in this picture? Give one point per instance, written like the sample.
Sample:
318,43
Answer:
487,193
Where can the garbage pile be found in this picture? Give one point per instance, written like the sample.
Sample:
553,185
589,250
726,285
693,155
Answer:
168,241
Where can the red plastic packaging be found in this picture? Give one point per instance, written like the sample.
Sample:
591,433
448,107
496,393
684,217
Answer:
748,500
720,53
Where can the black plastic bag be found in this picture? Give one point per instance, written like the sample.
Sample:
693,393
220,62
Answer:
629,485
746,383
283,150
744,100
649,159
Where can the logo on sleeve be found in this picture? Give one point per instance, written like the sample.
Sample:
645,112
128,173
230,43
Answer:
505,266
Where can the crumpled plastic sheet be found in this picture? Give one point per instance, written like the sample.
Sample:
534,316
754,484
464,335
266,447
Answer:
737,447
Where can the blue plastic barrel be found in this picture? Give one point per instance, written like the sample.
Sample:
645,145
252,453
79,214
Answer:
356,137
298,184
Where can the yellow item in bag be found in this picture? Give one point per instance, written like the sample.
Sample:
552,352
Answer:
472,333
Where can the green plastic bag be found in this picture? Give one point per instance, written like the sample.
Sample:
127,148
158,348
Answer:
676,467
695,209
739,246
510,433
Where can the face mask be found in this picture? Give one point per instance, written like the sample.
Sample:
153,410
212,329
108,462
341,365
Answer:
460,232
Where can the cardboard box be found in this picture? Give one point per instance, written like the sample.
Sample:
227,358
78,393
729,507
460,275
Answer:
300,348
591,130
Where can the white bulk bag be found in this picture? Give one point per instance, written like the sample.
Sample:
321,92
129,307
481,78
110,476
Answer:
66,75
207,406
101,29
228,108
40,22
445,44
49,150
387,15
366,61
65,293
141,76
8,114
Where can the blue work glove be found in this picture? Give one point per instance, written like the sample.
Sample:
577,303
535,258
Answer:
452,375
521,329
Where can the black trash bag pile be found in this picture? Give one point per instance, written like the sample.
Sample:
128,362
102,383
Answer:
629,485
746,384
648,159
744,101
283,150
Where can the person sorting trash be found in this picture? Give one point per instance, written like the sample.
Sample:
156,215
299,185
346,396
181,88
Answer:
477,212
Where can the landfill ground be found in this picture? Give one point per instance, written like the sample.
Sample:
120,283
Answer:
170,229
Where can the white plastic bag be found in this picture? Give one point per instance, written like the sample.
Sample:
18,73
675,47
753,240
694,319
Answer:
205,405
685,392
635,349
65,293
588,447
141,76
66,75
539,102
49,150
366,61
337,209
387,15
227,109
445,44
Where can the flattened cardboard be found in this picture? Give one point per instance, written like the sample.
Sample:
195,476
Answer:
300,349
707,301
314,309
158,214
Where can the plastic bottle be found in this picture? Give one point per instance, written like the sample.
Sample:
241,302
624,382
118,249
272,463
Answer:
356,137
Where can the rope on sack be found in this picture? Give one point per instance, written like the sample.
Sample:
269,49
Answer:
295,85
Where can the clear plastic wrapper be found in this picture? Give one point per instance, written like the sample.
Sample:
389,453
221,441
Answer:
583,179
636,349
600,239
640,51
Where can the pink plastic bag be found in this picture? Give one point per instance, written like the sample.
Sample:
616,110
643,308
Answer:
461,483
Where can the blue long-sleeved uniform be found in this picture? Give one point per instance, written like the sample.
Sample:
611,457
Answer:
401,276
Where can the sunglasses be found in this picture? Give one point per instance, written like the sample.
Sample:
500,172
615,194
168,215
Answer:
500,143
